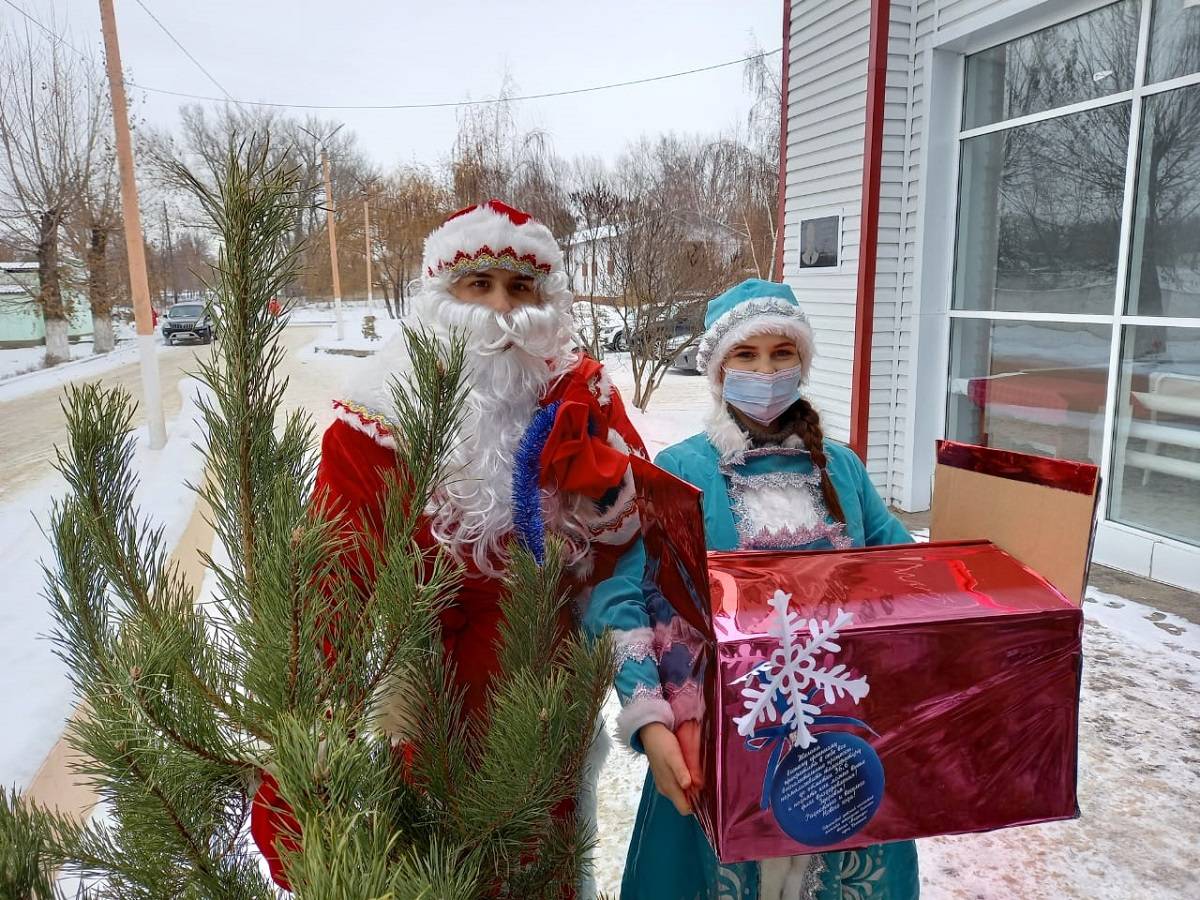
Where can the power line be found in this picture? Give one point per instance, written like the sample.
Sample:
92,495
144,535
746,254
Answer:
58,37
184,50
449,104
446,104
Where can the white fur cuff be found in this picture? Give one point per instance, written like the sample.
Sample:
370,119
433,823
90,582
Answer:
645,707
750,319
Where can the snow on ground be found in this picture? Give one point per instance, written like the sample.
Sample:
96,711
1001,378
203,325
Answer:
354,342
22,370
37,696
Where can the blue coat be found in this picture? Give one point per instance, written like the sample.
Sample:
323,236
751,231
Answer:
669,857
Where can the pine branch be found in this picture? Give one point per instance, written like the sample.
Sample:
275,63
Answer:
194,852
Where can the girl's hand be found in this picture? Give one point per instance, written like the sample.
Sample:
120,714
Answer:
688,735
670,772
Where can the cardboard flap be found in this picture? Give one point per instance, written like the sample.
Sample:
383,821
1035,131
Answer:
1040,510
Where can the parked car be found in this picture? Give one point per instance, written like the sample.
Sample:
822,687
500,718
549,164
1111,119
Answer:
187,322
607,322
685,360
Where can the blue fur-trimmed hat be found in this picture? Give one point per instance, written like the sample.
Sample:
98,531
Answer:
747,310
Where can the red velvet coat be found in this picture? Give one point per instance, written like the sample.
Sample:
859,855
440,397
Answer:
586,453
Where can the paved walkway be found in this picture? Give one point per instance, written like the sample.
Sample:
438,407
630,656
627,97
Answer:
313,379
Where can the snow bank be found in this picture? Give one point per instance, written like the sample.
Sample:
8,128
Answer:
35,695
353,342
21,371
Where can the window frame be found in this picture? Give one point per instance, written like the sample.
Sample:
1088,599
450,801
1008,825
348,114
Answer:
1118,319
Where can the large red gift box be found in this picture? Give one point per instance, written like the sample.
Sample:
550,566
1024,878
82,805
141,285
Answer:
855,697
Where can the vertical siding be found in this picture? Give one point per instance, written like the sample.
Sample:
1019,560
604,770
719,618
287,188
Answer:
826,108
826,124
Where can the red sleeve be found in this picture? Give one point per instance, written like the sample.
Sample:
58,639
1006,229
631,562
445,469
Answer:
352,476
351,483
580,455
618,421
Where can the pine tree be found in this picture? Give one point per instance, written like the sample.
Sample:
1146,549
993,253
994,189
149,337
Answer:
189,704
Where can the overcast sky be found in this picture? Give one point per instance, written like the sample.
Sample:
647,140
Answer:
379,52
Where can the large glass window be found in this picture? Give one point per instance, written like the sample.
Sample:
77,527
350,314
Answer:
1081,59
1040,215
1037,387
1156,454
1075,307
1174,39
1164,273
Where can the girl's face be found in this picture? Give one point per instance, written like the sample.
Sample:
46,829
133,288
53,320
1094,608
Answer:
764,353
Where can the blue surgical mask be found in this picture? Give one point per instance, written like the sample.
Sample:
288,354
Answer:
762,397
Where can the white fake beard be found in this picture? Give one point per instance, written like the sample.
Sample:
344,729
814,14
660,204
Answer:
511,360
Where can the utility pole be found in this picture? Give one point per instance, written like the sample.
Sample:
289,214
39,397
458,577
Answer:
138,284
330,210
367,231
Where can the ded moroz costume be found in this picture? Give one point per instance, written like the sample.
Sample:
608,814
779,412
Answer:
543,448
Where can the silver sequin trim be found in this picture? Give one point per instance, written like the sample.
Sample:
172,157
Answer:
646,693
812,878
784,538
634,651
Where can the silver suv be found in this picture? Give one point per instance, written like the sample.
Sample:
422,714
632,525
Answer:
189,322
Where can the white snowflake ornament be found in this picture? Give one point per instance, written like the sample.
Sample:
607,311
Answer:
791,672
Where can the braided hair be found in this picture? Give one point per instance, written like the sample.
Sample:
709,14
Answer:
802,420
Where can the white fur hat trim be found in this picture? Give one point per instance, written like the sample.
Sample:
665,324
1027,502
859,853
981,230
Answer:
492,235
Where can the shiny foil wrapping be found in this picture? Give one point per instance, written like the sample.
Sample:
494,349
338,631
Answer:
973,662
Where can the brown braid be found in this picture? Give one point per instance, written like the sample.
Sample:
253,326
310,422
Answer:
800,419
807,425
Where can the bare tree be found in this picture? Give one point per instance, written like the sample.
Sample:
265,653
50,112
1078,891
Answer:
753,202
407,206
494,156
203,142
595,203
669,259
51,104
90,228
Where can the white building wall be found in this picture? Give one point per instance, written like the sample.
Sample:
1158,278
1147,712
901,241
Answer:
826,128
826,95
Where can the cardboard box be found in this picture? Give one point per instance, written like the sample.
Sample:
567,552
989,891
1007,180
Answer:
1040,510
945,702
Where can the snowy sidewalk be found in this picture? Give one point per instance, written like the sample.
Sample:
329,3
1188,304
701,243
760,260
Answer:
36,692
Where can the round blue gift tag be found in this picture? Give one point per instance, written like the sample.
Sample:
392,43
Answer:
827,792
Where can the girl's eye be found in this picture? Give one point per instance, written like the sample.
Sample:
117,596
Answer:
519,287
745,354
480,283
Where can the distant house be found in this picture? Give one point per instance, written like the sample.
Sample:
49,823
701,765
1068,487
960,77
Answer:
593,268
21,322
592,263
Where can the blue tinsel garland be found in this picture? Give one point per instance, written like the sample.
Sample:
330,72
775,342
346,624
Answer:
526,484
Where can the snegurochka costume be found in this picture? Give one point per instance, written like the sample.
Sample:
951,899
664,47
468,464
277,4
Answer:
767,485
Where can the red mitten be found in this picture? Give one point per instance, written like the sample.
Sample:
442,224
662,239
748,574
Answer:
274,827
577,462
